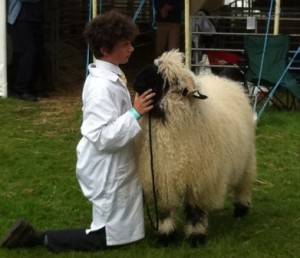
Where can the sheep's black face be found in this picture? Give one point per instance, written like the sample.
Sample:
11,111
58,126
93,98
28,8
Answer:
149,78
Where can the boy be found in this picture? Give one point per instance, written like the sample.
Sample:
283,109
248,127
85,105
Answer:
105,161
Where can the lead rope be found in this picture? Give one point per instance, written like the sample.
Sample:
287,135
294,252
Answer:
198,95
154,226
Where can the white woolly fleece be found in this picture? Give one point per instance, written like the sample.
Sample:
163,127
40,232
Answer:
205,148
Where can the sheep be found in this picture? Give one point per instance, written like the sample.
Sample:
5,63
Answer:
203,138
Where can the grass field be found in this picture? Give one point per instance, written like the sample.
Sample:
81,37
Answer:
37,182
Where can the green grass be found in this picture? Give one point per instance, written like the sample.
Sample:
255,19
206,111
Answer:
38,183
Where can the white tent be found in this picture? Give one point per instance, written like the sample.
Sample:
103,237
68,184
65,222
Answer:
3,74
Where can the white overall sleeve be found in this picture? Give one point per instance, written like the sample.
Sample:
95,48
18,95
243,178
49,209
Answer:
104,127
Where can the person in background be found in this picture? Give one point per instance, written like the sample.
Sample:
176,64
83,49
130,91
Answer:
168,18
25,19
105,156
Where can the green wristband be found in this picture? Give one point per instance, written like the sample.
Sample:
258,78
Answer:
134,113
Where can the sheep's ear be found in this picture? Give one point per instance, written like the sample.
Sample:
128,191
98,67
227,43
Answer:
195,94
189,85
198,95
190,89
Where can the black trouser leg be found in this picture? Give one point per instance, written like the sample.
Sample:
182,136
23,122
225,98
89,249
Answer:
75,239
27,44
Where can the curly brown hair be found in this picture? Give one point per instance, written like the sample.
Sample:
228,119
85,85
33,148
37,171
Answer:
106,30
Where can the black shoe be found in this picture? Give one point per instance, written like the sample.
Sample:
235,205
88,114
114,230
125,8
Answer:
28,97
23,96
43,95
22,234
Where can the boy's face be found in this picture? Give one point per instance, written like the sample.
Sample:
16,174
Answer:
120,53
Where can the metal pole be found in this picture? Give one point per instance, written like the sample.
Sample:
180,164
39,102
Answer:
187,33
100,7
94,11
3,50
277,17
95,8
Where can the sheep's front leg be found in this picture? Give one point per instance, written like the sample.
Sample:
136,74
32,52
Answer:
196,225
167,227
242,192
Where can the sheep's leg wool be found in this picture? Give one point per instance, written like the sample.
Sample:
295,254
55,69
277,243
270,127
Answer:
167,227
196,225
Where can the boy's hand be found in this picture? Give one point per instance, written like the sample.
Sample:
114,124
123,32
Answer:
143,103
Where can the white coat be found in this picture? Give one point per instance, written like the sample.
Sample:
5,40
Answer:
105,157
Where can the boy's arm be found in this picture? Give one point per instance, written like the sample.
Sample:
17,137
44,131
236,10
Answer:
104,128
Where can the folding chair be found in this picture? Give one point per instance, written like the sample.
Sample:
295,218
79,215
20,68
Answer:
275,62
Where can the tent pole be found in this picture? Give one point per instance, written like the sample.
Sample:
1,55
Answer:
100,7
94,14
3,49
187,33
277,17
95,7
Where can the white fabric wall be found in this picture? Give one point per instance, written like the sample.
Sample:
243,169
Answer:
3,73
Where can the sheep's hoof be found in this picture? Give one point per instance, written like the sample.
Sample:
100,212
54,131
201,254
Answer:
197,239
167,240
240,210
